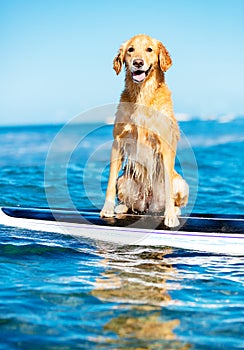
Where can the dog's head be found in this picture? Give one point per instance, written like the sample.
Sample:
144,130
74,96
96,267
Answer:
142,55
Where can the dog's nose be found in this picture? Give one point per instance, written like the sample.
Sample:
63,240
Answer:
138,62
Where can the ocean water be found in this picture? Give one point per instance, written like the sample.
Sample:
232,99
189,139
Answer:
61,292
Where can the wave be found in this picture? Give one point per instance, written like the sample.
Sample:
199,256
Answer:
22,249
221,118
49,249
198,141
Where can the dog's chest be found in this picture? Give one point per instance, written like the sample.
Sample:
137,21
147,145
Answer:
152,128
144,134
141,149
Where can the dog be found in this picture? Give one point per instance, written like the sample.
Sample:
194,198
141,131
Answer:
145,136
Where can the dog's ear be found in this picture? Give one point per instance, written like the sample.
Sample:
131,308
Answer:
119,59
164,58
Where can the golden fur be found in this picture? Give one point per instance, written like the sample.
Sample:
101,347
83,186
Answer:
145,136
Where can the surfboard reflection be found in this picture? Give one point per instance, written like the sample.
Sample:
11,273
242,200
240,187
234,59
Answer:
136,279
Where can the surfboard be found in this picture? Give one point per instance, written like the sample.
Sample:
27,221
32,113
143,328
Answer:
222,234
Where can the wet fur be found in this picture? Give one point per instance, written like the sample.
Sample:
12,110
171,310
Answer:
145,138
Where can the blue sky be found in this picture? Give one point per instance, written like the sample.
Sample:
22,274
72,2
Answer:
56,55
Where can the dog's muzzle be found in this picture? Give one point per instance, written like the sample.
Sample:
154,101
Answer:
139,75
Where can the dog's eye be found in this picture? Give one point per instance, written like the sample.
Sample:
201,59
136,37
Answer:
149,49
130,49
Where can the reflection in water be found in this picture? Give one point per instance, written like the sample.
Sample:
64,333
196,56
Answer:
136,278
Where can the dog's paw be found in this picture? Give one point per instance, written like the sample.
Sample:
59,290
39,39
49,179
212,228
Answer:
121,209
107,210
171,220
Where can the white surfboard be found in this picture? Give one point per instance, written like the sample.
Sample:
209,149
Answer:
222,234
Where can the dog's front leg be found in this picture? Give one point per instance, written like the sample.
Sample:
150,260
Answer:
170,217
115,165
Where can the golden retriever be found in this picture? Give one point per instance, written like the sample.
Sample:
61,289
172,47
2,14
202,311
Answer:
145,136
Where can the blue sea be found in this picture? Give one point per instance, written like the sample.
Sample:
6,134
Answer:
66,293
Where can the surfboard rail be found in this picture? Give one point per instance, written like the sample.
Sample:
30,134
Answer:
222,234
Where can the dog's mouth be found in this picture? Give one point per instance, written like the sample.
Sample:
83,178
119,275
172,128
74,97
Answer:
139,76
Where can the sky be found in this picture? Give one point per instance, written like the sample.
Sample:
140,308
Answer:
56,55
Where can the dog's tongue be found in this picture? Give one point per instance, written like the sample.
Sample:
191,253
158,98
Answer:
139,76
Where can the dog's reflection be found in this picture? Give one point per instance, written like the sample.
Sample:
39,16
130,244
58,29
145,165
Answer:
136,279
